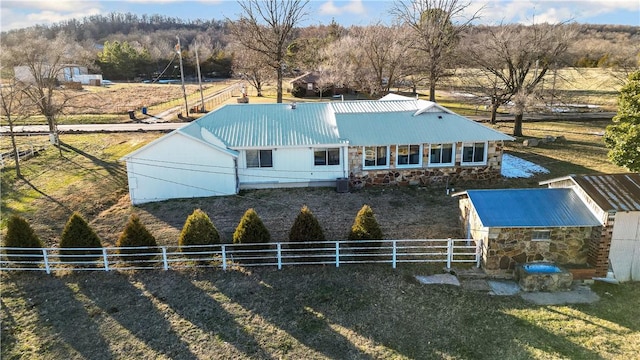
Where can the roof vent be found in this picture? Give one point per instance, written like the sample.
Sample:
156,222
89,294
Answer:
439,116
293,105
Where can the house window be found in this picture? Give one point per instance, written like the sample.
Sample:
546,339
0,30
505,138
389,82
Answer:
474,153
259,158
376,156
441,154
408,155
541,235
330,156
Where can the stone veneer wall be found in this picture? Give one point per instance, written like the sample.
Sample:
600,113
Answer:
510,246
425,175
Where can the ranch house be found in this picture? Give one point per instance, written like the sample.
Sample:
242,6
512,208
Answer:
392,141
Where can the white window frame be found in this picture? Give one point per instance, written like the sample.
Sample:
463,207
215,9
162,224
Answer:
541,235
364,158
441,164
409,165
473,144
326,156
260,166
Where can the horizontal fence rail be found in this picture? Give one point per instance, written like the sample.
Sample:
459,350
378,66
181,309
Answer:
226,256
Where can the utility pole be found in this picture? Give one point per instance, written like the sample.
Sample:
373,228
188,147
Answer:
202,110
184,92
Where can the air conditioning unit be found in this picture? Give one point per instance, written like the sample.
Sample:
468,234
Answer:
342,185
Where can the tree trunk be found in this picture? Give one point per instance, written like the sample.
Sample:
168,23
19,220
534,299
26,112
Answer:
494,112
15,149
432,91
53,131
279,86
517,125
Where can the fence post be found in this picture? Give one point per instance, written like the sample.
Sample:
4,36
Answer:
279,253
337,253
449,252
46,261
478,253
165,264
393,254
105,259
224,258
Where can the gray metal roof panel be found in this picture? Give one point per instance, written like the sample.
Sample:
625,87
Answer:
542,208
619,192
405,128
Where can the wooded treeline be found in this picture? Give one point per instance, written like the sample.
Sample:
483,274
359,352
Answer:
146,45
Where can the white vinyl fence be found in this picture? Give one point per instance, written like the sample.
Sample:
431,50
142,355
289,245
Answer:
226,256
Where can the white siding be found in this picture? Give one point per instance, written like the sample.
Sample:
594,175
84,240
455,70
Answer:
180,167
624,255
291,166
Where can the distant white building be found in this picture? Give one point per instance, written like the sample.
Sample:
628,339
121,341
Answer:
68,73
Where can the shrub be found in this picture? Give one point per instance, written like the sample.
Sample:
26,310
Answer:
251,230
135,234
305,228
21,235
78,234
198,230
365,226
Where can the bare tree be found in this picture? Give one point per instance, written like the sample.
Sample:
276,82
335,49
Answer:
370,58
517,58
250,66
267,28
13,109
41,62
436,26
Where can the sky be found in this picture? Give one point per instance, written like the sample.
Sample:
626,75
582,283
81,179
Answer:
24,13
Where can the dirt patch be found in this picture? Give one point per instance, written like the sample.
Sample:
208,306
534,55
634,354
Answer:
119,99
402,212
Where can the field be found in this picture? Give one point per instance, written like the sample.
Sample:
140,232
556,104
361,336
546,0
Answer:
360,312
364,312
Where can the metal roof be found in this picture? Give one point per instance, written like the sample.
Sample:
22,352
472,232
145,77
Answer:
334,123
375,106
272,125
543,208
405,128
619,192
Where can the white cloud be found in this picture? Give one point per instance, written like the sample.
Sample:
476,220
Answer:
352,7
59,5
528,11
16,15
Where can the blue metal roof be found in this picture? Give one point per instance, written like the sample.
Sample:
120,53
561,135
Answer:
531,208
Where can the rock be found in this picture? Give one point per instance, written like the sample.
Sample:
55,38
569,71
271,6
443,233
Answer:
531,142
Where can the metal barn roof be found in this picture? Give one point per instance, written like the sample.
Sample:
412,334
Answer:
543,208
620,192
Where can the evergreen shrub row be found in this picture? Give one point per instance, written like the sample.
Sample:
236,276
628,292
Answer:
136,243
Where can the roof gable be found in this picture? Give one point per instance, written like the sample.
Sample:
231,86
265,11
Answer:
611,192
542,208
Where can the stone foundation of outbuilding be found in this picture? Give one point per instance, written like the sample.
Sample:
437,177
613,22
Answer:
567,246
